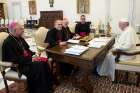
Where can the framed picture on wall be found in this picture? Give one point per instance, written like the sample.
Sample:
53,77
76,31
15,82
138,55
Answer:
32,7
83,6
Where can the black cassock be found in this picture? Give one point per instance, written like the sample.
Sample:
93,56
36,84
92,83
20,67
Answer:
39,78
67,33
55,36
82,28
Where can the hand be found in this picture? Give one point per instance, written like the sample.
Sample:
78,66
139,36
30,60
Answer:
33,59
63,43
14,65
76,37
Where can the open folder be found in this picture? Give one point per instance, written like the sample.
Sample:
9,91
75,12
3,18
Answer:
99,42
76,50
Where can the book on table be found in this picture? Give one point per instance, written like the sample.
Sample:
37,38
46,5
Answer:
76,50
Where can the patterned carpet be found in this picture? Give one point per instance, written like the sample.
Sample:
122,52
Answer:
98,85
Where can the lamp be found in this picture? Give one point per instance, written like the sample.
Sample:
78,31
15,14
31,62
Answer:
51,2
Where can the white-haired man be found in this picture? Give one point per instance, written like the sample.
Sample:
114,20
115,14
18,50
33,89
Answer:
126,42
16,50
66,29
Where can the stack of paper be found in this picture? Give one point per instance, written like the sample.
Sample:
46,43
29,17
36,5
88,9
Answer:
99,42
73,41
76,50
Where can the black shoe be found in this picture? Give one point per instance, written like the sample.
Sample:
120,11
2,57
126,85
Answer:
95,72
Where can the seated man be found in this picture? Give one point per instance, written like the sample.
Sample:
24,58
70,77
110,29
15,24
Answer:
16,50
126,42
82,28
56,37
66,30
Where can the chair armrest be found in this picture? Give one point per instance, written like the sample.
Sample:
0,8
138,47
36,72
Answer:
137,44
41,48
127,53
118,53
6,64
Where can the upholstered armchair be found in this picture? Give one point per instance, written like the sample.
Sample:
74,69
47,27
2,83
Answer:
72,27
40,36
7,73
132,65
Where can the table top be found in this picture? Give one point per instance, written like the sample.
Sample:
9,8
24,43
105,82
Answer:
86,57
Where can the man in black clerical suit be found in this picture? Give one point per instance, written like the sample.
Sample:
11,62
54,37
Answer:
56,36
66,29
82,28
16,50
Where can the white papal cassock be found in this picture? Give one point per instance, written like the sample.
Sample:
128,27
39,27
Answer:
127,41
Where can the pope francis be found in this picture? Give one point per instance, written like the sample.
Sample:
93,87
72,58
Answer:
126,42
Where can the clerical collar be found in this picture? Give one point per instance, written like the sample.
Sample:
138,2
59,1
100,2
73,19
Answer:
126,28
83,22
58,29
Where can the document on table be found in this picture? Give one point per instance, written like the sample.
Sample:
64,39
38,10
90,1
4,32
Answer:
99,42
76,50
73,41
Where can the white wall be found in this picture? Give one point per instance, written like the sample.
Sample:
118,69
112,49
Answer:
15,9
124,9
99,9
137,12
119,9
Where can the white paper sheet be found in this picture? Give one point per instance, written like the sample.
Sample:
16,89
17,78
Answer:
99,42
73,41
76,50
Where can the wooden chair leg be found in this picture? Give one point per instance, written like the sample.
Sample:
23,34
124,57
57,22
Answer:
55,72
138,79
116,76
5,81
126,77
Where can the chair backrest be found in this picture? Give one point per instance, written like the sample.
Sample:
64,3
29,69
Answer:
3,36
40,36
72,27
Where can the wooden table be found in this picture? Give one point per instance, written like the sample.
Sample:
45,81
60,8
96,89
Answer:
88,60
